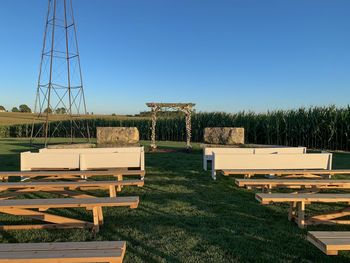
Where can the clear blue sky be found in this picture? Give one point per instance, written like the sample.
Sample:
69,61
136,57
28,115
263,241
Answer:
224,55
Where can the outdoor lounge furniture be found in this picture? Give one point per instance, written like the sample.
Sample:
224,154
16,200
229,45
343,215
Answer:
72,175
273,163
330,242
84,159
268,184
24,208
209,151
71,189
63,252
299,201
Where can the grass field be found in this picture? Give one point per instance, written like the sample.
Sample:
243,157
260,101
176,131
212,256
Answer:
184,216
11,118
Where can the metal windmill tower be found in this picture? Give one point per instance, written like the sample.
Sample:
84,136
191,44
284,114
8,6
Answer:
60,94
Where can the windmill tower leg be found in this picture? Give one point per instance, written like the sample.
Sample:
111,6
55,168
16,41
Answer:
60,99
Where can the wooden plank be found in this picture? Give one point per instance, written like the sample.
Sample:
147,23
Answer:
317,243
330,242
285,171
104,251
41,216
71,185
13,247
110,172
280,197
46,226
293,183
331,234
62,256
131,201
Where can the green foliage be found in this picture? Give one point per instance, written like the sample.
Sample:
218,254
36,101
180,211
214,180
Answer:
315,127
48,110
2,108
61,111
15,109
24,108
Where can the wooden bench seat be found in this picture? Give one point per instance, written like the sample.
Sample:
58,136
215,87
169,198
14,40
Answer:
73,175
330,242
276,164
313,184
299,201
69,188
23,207
60,252
288,173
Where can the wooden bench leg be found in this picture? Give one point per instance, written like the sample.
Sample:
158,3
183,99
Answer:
95,212
120,178
100,215
301,214
112,191
56,221
291,213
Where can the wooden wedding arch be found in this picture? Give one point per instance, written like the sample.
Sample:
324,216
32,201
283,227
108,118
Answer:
187,108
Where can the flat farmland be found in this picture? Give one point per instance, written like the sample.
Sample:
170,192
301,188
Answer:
11,118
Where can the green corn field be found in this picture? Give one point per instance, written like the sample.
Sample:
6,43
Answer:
314,127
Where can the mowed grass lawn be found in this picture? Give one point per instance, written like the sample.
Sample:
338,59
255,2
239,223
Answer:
185,216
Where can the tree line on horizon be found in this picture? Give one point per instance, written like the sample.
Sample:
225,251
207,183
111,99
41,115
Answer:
24,108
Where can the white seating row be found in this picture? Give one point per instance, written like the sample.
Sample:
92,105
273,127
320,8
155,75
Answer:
208,152
240,162
84,159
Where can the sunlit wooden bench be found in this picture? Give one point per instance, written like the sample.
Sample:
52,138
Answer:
71,189
72,175
84,159
276,164
269,184
63,252
330,242
299,201
208,152
24,208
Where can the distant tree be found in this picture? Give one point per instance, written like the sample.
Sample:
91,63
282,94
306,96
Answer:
113,114
24,108
61,110
48,110
15,109
2,108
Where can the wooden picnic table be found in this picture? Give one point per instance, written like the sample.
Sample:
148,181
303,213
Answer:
299,201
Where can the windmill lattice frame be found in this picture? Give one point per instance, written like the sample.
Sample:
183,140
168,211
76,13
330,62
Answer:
60,94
